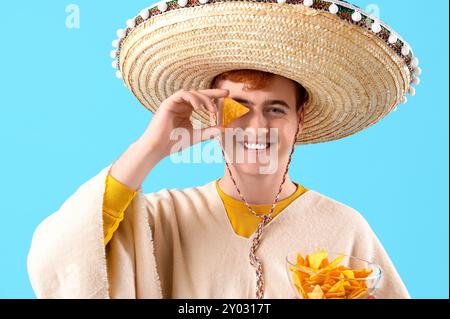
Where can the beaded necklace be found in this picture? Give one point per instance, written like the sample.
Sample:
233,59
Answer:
255,261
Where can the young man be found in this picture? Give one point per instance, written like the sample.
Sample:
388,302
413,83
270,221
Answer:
115,241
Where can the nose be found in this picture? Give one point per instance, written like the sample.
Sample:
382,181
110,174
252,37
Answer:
256,119
257,124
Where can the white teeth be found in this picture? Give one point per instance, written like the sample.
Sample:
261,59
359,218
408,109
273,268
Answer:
253,146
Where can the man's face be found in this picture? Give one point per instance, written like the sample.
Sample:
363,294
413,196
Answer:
272,110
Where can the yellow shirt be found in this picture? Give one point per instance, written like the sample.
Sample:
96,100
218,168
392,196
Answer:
117,197
243,221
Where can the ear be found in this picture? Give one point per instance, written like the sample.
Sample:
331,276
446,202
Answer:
301,117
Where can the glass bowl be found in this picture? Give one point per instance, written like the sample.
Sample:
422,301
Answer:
359,282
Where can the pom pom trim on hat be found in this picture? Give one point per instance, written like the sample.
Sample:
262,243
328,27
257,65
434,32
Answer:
342,9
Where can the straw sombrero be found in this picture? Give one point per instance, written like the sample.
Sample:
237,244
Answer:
355,68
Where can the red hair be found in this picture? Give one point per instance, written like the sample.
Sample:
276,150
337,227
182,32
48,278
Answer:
256,79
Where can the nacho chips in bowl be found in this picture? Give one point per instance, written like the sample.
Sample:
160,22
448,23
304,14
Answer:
322,275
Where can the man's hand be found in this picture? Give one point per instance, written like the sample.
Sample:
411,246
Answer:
155,144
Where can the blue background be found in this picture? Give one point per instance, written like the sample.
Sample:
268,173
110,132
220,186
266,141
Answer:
65,116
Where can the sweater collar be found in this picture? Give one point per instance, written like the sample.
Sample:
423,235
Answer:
219,211
259,207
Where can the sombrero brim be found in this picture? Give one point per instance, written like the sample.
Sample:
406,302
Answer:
353,75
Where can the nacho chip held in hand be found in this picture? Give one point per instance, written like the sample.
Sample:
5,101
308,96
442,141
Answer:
232,110
315,277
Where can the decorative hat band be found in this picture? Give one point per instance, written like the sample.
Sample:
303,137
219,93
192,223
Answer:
342,9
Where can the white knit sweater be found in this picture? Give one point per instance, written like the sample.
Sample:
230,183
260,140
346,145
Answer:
179,243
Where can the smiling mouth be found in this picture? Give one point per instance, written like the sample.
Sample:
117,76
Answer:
255,146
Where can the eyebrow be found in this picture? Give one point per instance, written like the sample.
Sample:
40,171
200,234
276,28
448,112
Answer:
266,102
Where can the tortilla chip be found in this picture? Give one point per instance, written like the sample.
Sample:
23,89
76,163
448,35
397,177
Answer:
316,259
317,293
317,278
348,274
358,294
232,110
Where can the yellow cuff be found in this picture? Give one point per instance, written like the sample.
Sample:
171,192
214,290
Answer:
116,199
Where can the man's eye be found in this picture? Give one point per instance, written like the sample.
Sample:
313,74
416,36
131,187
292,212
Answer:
277,111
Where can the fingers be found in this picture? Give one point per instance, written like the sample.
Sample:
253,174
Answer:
215,93
205,101
194,100
201,99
